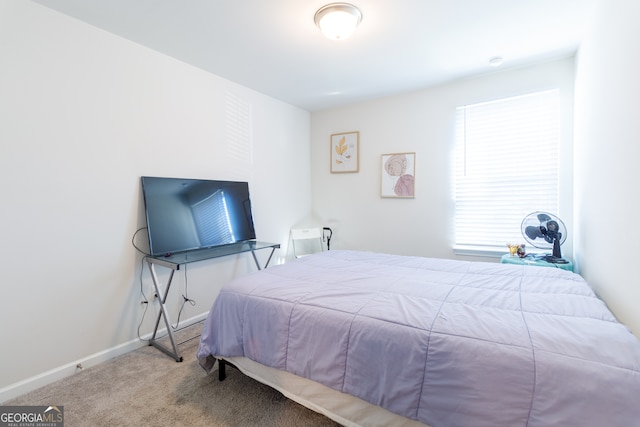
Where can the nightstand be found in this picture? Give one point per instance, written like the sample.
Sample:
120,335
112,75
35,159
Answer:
534,261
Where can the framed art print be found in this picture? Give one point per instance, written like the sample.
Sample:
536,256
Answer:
345,149
398,175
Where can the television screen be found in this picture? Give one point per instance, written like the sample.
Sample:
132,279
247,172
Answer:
190,214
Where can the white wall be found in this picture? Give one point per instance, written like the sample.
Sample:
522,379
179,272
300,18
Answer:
83,114
607,146
421,122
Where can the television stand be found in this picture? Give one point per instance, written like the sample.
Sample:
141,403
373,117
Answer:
174,261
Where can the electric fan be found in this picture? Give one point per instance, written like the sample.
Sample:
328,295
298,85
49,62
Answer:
545,231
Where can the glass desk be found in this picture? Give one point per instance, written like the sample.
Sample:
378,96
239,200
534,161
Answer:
174,261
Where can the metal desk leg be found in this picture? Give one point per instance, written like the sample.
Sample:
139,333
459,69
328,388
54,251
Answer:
255,258
163,313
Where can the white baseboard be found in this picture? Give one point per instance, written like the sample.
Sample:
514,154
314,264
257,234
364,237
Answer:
45,378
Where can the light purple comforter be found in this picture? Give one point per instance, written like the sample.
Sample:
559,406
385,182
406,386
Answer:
448,343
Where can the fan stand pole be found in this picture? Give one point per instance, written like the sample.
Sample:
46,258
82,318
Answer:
556,249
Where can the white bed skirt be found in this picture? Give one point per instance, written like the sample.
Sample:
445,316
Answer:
342,408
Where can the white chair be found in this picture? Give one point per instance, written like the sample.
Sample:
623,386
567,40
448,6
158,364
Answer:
306,241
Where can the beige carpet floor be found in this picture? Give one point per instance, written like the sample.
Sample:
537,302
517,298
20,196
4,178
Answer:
148,388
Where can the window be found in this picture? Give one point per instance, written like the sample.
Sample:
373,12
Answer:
506,166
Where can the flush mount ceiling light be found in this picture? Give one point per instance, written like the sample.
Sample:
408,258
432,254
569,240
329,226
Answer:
338,21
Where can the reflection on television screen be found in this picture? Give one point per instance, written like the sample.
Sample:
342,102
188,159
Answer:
191,214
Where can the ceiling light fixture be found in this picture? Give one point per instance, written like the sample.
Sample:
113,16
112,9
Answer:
338,21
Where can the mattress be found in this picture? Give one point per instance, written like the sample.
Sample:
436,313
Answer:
441,342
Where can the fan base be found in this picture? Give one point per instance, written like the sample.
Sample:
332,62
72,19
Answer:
553,259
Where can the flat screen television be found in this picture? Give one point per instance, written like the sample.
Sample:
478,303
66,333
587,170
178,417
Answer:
190,214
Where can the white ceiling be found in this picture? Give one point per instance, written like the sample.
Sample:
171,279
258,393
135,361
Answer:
274,47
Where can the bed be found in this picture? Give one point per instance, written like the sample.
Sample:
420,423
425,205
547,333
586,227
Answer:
376,339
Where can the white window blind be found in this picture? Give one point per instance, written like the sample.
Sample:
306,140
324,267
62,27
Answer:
506,166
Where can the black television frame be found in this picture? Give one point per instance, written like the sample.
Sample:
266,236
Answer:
188,214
